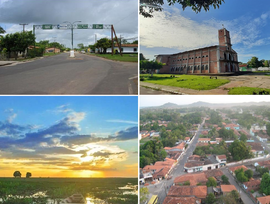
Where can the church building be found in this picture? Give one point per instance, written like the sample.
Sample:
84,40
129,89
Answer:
214,59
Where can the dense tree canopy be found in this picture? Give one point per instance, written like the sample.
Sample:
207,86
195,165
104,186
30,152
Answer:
103,44
196,5
240,151
211,182
254,63
150,152
17,42
265,184
150,65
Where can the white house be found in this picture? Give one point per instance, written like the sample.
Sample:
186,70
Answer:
125,48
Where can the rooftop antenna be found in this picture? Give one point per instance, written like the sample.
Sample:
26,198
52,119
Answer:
223,26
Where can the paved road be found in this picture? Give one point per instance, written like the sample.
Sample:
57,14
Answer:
149,91
60,74
161,189
245,198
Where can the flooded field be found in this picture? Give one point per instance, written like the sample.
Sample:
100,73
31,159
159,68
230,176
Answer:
64,190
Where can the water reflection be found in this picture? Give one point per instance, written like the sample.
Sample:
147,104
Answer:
94,201
130,189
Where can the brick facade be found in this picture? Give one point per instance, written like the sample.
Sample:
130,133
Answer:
214,59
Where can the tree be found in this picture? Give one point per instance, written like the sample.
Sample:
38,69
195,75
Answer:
249,173
243,137
210,198
17,174
28,175
150,65
211,182
266,63
144,194
262,170
254,63
240,175
197,6
103,44
268,128
225,179
240,151
265,184
80,46
17,42
135,42
2,31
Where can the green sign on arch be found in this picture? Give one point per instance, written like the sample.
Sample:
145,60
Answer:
47,26
82,26
97,26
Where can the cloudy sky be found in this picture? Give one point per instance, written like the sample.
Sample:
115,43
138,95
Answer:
146,101
175,30
69,136
122,14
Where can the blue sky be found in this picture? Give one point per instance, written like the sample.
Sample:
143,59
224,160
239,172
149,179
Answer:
175,30
90,135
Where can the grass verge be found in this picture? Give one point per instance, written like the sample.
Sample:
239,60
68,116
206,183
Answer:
248,91
118,57
185,81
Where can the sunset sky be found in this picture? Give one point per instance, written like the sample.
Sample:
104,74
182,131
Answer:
69,136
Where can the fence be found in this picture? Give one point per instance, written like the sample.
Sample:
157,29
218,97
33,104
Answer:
247,160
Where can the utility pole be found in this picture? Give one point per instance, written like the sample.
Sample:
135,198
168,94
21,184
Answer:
23,24
72,27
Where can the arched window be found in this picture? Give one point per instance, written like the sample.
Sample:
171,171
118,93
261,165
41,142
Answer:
195,67
225,57
230,57
198,67
206,67
202,67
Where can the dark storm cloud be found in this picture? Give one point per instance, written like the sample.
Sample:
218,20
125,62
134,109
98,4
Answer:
128,134
11,129
122,14
79,139
106,154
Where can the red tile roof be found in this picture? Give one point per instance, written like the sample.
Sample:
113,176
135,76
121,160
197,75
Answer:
204,139
264,200
222,156
197,191
182,200
194,179
227,188
238,167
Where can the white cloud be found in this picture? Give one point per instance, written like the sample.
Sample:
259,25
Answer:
172,30
12,117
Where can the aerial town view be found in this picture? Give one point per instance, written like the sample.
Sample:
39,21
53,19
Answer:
209,152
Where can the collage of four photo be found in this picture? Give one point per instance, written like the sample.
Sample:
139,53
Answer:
135,102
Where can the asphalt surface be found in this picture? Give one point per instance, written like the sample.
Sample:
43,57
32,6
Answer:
245,198
61,74
161,189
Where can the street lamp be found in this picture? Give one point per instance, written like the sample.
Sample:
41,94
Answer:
72,24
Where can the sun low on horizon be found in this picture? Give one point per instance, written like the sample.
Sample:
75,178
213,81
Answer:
69,136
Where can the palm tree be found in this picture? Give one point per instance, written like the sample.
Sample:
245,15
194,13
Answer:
2,31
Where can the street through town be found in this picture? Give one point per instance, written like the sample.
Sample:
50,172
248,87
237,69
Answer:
61,74
161,189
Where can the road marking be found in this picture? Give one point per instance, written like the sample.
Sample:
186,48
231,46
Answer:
130,90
